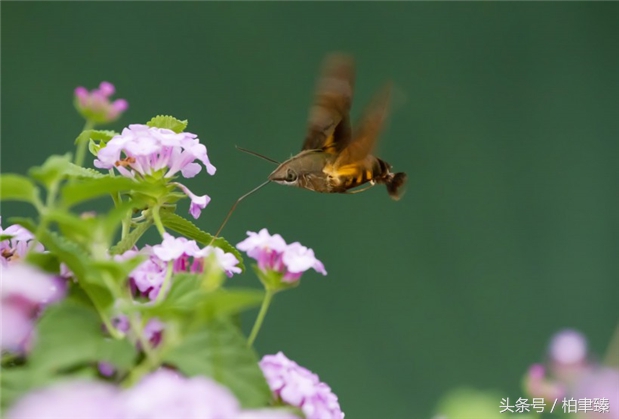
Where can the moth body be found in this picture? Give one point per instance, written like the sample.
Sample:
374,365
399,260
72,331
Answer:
334,158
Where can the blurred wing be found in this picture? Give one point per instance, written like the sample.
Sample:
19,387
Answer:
329,122
367,130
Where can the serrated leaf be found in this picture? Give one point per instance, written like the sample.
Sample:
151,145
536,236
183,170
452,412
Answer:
61,324
188,229
69,323
17,188
169,122
227,302
94,148
93,188
131,239
93,134
103,134
73,226
120,353
187,296
79,172
218,350
52,170
76,258
184,296
69,252
118,270
46,261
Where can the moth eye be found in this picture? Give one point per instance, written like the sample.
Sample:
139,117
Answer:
291,176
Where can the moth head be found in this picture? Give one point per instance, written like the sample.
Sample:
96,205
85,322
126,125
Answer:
284,175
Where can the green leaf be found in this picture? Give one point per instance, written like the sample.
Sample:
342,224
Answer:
4,237
80,172
69,252
76,258
92,230
118,270
15,382
190,230
93,188
169,122
63,324
70,334
122,212
97,135
131,239
73,226
46,261
218,350
52,171
185,295
120,353
17,188
188,296
227,302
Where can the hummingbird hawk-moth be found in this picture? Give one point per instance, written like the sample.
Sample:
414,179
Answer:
336,158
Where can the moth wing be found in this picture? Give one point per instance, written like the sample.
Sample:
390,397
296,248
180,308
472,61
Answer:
329,121
367,131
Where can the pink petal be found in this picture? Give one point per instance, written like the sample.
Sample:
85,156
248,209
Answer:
106,88
198,203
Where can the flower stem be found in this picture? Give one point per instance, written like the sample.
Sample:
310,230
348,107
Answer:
263,311
157,220
166,284
80,154
147,365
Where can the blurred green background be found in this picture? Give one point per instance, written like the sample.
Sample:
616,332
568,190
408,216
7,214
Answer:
507,125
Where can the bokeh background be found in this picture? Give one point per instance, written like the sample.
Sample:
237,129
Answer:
506,122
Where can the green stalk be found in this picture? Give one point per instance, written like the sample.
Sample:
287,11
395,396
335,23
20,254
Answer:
268,297
157,219
166,284
80,154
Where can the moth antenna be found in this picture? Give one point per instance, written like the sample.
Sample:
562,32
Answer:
253,153
233,208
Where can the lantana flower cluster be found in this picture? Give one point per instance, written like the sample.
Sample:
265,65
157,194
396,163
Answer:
17,245
154,153
185,255
273,254
96,106
25,290
161,394
571,372
297,386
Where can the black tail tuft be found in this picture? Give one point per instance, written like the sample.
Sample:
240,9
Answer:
395,184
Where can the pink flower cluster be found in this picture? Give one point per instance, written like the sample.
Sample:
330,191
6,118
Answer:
299,387
573,374
25,291
162,394
186,257
96,104
272,253
143,151
17,246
